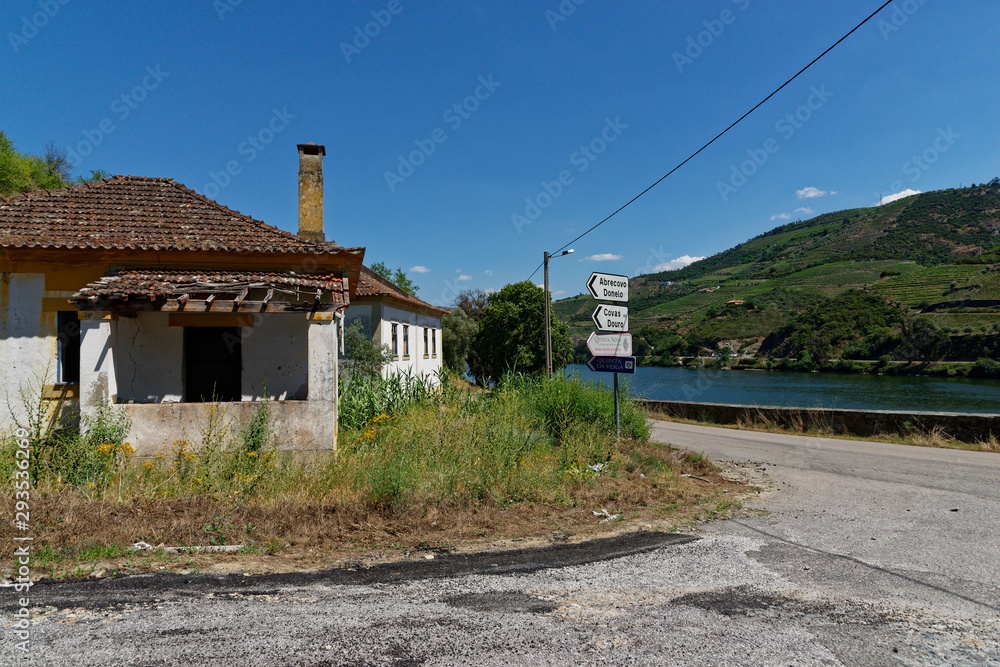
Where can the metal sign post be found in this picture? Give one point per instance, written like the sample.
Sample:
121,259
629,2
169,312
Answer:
612,346
618,413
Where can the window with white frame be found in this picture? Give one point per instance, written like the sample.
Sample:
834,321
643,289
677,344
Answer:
395,340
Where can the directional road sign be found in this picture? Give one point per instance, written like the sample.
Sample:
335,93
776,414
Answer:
612,364
610,345
608,287
611,318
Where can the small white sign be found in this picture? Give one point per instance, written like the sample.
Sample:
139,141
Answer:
610,345
608,287
611,318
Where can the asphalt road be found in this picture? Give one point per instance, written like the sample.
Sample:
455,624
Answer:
860,559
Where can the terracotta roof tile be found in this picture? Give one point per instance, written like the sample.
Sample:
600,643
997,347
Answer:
135,212
157,283
371,284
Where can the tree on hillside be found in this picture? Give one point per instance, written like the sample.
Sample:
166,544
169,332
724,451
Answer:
22,172
399,278
473,302
457,332
512,334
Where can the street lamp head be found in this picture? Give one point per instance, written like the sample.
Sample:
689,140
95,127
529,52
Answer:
569,252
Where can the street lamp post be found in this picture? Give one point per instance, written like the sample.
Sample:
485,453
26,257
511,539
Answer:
548,316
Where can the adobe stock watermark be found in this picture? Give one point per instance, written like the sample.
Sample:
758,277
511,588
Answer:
714,28
581,158
248,149
30,25
223,7
363,35
562,12
21,583
455,116
920,163
787,127
122,108
900,16
656,259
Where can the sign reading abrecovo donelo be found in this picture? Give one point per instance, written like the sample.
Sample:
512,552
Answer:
608,287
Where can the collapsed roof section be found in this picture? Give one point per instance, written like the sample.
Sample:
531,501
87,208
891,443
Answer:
213,292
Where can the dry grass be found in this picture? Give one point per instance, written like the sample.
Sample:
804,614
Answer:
526,460
73,533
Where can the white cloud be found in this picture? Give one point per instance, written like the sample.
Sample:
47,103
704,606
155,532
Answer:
419,269
781,216
488,272
558,292
678,263
899,195
805,210
464,277
606,257
812,193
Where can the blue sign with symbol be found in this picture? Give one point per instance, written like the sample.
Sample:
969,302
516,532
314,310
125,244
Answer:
612,364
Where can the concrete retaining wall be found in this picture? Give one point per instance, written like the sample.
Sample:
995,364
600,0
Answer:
961,426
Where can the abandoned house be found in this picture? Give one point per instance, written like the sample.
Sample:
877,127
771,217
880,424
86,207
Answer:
142,293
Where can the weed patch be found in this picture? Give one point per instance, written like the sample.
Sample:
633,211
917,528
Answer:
529,456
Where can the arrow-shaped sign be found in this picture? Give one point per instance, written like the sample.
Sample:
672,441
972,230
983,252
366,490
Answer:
612,364
611,318
610,345
608,287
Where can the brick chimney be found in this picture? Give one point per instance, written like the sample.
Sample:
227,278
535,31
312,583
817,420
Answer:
311,191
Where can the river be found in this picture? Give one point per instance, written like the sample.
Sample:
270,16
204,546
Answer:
808,390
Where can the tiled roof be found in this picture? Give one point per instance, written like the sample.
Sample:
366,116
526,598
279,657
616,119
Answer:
155,284
134,212
371,284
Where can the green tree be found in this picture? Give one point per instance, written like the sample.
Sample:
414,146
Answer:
364,356
457,332
473,302
21,172
398,278
511,335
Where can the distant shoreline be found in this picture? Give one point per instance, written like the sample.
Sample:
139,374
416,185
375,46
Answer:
977,370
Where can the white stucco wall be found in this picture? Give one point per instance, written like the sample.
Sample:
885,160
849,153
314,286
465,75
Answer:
379,317
149,359
417,363
276,356
27,341
141,360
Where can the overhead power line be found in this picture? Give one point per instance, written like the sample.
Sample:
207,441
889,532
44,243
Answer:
725,131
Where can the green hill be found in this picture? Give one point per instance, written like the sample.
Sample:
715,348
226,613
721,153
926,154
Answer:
933,257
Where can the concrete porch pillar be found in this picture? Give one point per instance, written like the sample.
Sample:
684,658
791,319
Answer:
97,357
323,370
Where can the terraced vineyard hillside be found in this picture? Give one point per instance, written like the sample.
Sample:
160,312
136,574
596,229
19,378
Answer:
936,256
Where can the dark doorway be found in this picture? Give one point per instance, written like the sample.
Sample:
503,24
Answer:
68,323
213,364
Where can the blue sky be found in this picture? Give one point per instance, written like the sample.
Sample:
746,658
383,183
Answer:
565,111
